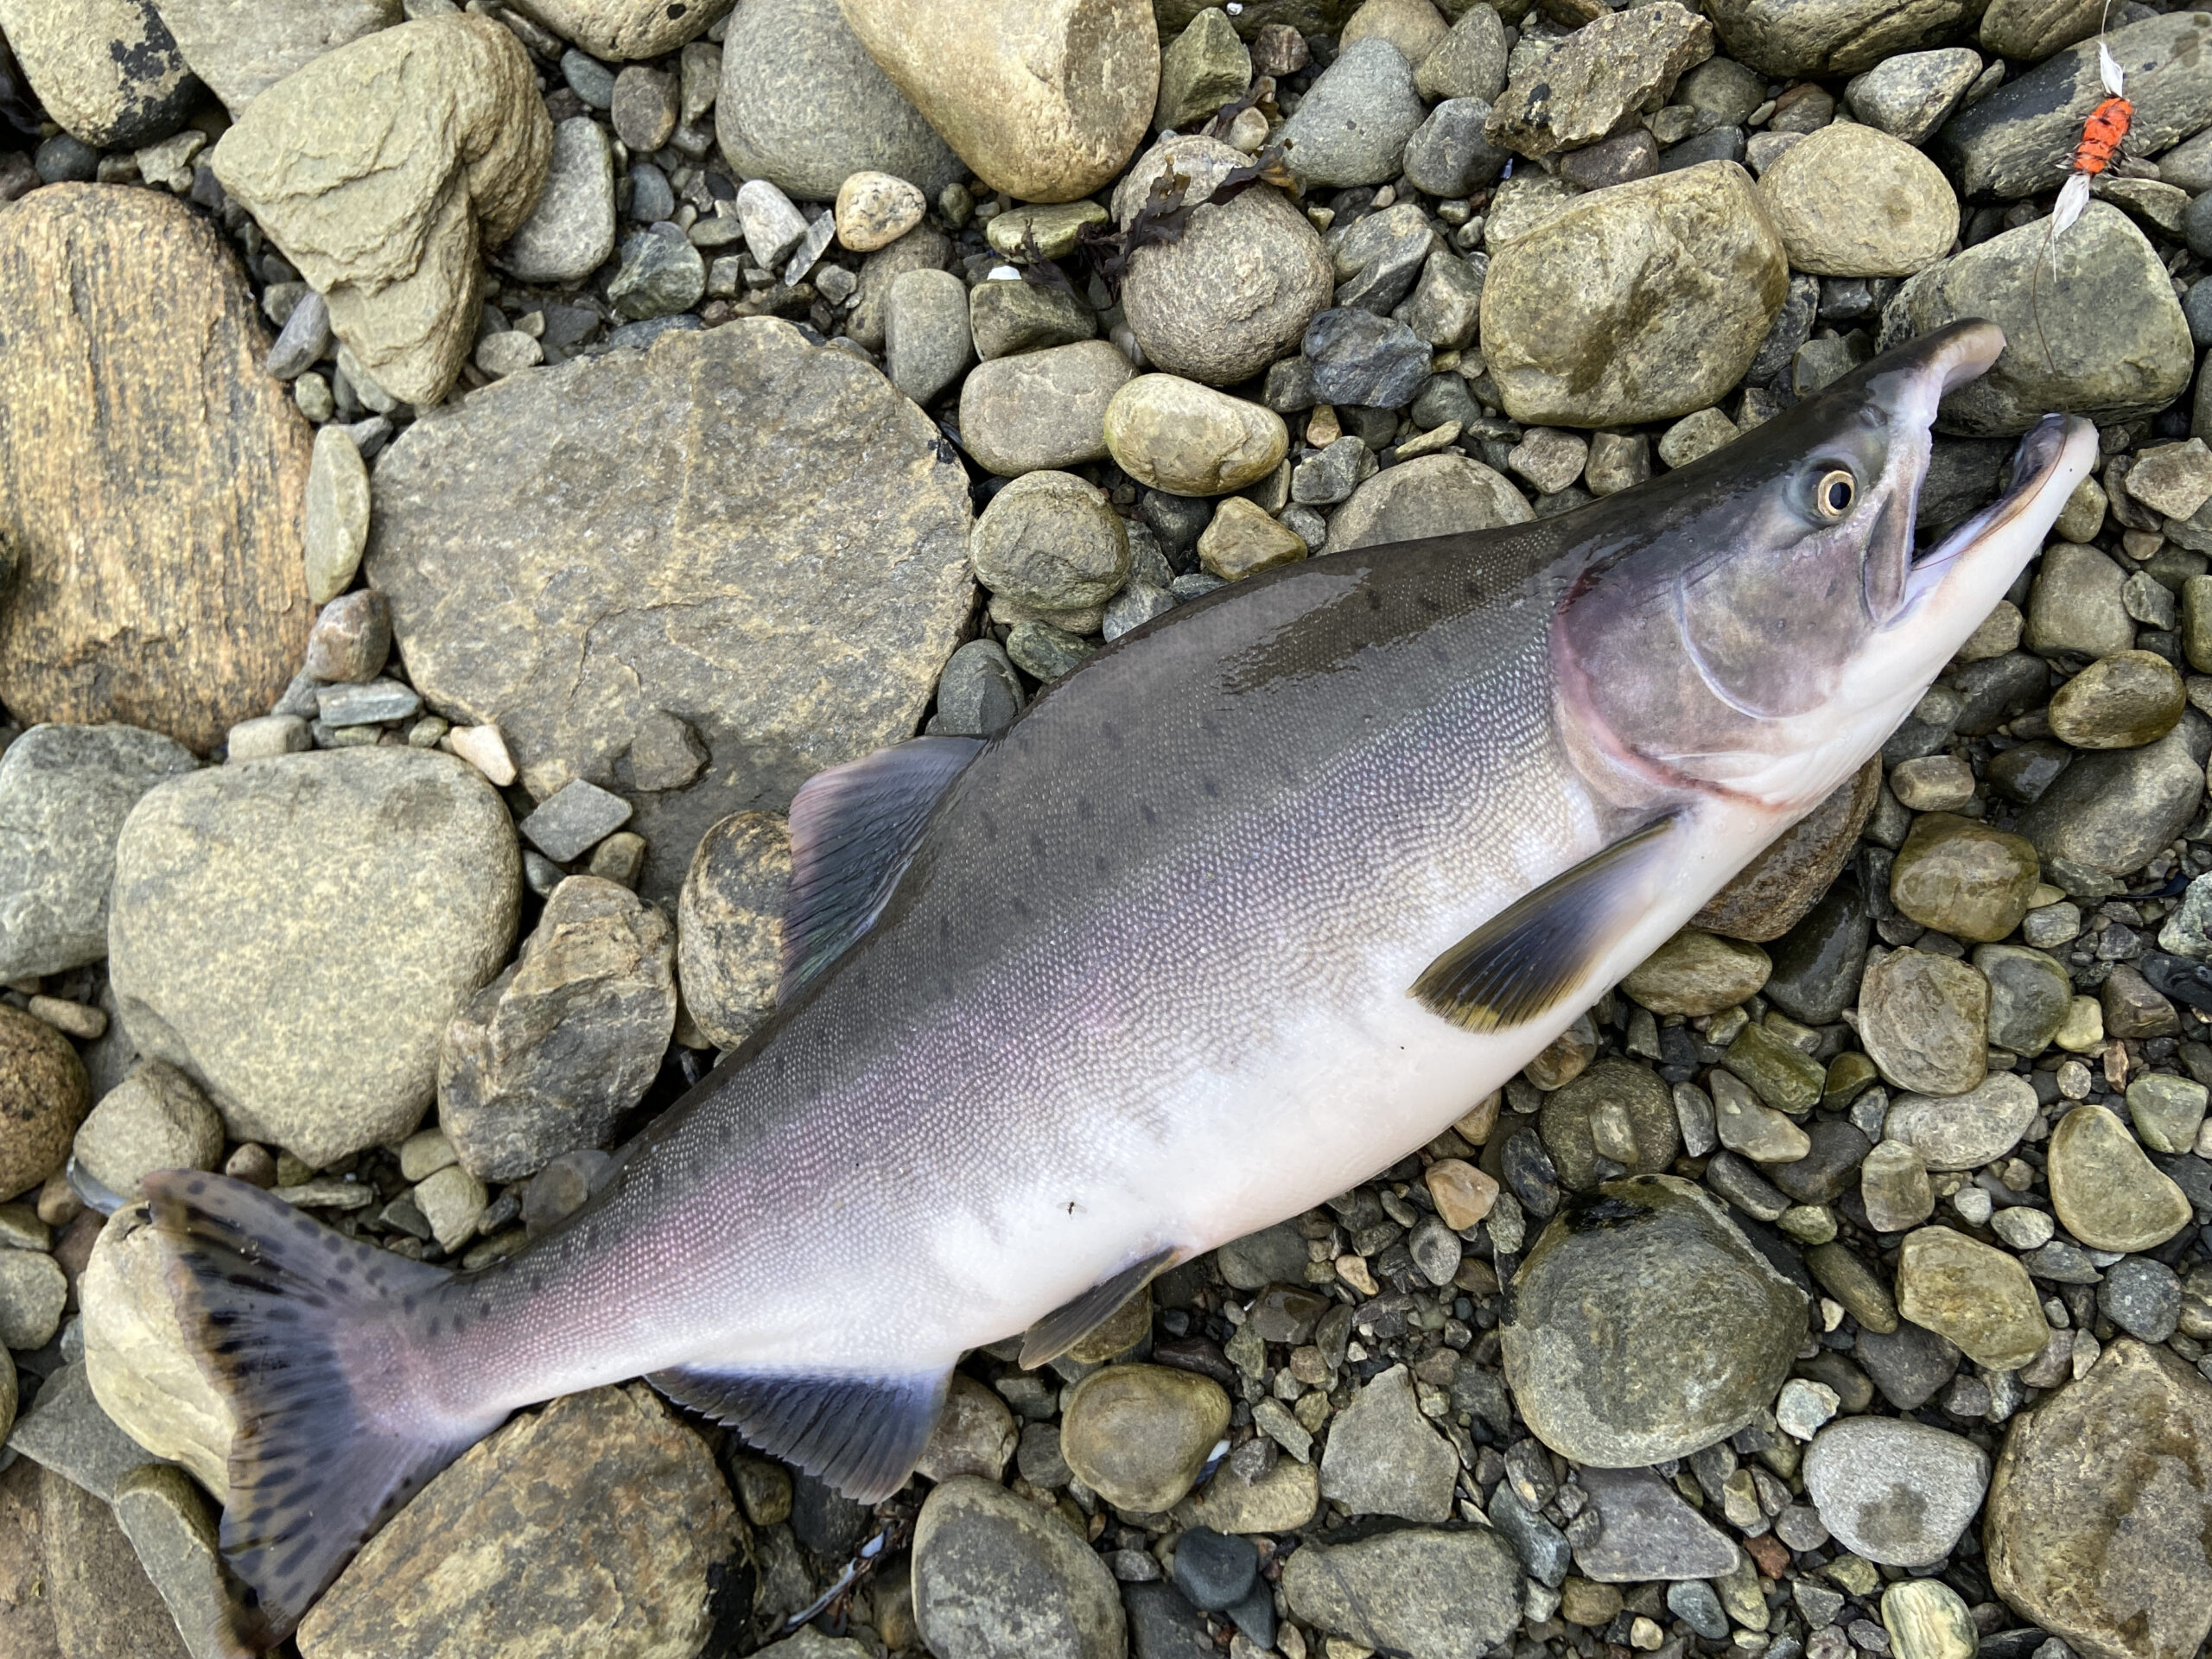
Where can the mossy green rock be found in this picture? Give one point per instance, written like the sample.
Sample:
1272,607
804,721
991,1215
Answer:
2119,701
1698,973
1645,1325
1961,877
2106,1192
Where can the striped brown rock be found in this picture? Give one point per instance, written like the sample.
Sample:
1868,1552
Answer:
150,475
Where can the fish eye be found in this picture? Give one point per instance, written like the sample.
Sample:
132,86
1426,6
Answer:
1833,495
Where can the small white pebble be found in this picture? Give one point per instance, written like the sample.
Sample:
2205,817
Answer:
1804,1406
1973,1204
483,748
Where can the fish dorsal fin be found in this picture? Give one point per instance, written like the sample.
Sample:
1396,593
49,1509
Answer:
1069,1322
1528,957
853,831
862,1434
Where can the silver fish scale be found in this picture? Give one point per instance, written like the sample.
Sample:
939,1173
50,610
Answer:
1175,853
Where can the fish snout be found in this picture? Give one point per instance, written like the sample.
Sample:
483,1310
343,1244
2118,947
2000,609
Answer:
1964,350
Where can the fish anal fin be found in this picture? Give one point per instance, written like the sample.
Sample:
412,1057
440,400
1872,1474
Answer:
1068,1324
862,1432
853,831
1526,959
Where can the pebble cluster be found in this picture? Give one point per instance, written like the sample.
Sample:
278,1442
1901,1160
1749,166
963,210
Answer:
523,442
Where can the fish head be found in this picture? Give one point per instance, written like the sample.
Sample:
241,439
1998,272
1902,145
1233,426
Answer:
1755,624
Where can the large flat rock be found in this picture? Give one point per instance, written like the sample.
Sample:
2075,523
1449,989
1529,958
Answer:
151,476
760,538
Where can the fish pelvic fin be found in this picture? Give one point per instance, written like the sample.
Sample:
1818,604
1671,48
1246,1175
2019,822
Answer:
1525,960
1070,1322
295,1324
860,1432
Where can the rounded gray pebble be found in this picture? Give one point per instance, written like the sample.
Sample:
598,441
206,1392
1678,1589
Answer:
2142,1296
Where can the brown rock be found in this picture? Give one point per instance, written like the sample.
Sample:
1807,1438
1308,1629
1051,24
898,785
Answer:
1786,40
43,1097
2099,1505
241,49
1774,891
1696,973
2121,702
104,1604
26,1595
430,143
1236,291
1963,878
2030,30
730,925
108,71
566,560
150,475
598,1525
975,1434
1046,103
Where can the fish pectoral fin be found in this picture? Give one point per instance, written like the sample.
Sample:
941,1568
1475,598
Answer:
1069,1322
853,831
862,1432
1525,959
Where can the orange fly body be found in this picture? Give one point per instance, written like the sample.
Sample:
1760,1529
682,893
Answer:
2103,135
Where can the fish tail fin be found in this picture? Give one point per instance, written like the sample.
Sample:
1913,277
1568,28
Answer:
299,1327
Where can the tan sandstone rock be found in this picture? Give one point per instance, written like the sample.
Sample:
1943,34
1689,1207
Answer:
1047,101
142,1372
430,143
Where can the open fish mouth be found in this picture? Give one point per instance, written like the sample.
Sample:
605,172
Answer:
2037,468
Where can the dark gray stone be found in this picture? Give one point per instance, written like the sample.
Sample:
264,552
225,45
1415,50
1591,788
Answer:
1214,1570
1359,357
1542,1547
574,819
1818,963
1823,1175
979,694
1647,1531
1163,1625
660,276
549,1056
1909,1364
1377,258
2114,810
2142,1296
1448,156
